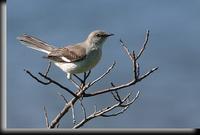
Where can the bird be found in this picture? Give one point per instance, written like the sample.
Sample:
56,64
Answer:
72,59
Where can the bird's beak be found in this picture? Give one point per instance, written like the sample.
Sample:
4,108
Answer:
110,34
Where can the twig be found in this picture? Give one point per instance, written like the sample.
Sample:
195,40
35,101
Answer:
66,108
114,96
144,45
48,68
115,114
63,97
78,78
147,74
119,87
74,82
132,58
124,109
83,108
73,115
34,77
105,110
58,84
49,81
46,117
87,75
58,125
138,69
126,49
117,97
103,75
135,66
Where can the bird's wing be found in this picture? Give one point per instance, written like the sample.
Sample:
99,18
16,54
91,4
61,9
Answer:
68,54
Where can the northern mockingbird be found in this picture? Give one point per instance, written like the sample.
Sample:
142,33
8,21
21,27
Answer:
72,59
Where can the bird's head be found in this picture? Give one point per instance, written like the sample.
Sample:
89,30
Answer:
98,37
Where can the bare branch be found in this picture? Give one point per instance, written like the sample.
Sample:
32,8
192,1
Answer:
74,82
48,68
58,125
73,115
46,117
86,75
61,114
147,74
135,66
132,57
65,109
63,97
114,96
138,69
81,81
95,108
107,109
49,81
103,75
126,49
124,109
144,45
115,114
83,108
122,86
58,84
34,77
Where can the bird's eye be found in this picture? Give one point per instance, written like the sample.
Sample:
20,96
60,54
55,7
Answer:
98,35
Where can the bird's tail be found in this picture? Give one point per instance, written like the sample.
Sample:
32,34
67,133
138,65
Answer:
35,43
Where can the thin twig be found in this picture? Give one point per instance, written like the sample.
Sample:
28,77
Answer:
144,45
63,97
126,49
114,96
74,82
73,115
81,81
65,109
134,65
49,81
118,97
138,69
87,75
34,77
48,68
58,84
122,86
46,117
115,114
105,110
124,109
83,108
95,108
103,75
147,74
58,125
132,57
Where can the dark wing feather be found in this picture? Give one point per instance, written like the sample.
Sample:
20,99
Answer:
68,54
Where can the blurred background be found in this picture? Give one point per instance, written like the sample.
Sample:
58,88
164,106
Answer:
169,97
